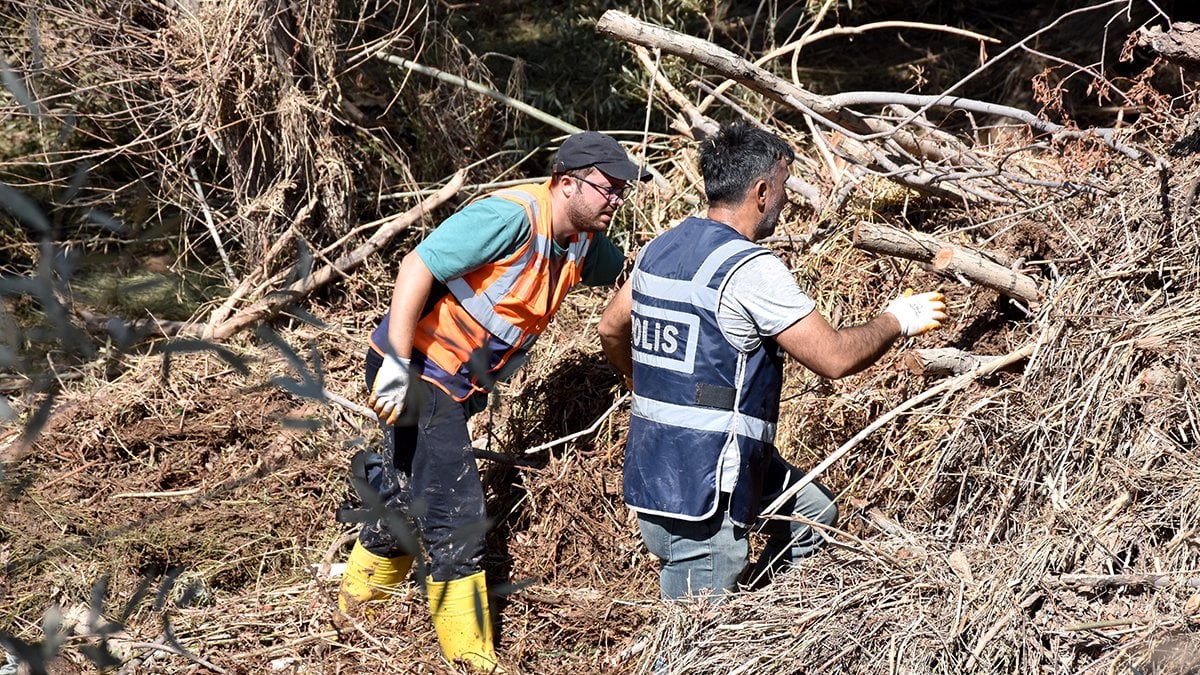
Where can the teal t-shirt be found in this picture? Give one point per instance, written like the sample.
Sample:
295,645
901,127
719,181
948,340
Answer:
488,230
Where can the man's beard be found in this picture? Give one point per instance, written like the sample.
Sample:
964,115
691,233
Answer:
767,224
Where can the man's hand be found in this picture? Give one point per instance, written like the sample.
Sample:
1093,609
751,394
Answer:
390,388
918,313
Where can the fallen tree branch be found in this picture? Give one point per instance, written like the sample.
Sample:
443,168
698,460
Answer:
945,387
946,258
1178,44
904,150
273,304
856,129
1105,134
621,26
944,361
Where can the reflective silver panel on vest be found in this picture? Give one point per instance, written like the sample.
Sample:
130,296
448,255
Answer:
665,338
718,257
482,310
674,290
694,291
702,419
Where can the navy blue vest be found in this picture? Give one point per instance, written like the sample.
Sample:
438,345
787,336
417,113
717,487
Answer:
694,393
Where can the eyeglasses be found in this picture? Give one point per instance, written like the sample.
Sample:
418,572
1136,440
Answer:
610,193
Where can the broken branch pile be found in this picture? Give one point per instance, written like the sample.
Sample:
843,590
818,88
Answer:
1038,520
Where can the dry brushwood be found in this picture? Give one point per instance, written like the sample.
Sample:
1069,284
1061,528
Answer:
248,126
1042,519
903,146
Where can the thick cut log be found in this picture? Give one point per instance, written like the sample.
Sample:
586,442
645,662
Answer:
944,361
946,258
1180,44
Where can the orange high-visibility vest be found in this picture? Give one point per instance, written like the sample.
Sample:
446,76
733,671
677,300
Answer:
498,310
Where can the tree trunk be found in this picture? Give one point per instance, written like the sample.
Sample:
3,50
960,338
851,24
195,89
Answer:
946,258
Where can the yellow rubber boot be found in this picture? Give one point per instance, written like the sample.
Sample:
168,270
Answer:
463,623
369,577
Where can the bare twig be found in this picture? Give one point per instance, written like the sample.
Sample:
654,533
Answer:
945,387
591,428
212,228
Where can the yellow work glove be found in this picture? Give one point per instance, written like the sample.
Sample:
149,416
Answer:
918,313
390,387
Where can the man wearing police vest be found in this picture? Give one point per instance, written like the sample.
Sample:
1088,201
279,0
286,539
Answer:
702,328
468,303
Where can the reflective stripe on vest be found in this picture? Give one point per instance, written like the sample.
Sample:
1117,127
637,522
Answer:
703,419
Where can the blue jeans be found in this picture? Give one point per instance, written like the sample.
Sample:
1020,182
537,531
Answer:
710,556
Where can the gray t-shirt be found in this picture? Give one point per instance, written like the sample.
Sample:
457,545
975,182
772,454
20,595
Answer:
760,299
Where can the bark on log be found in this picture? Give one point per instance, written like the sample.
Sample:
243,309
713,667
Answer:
944,361
946,258
1180,44
274,303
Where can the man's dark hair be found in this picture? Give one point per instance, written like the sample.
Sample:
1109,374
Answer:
737,155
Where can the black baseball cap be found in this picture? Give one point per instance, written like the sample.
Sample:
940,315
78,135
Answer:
592,148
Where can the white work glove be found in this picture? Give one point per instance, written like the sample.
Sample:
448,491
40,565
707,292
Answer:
918,313
390,388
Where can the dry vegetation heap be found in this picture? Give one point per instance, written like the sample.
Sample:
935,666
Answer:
1042,518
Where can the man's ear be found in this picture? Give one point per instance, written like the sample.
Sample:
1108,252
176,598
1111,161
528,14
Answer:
760,190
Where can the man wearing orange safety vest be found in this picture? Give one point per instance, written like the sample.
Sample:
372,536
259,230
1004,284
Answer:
468,303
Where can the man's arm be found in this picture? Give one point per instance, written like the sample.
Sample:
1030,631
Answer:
616,330
414,282
836,353
389,391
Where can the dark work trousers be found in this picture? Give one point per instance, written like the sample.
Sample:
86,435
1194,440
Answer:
426,475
